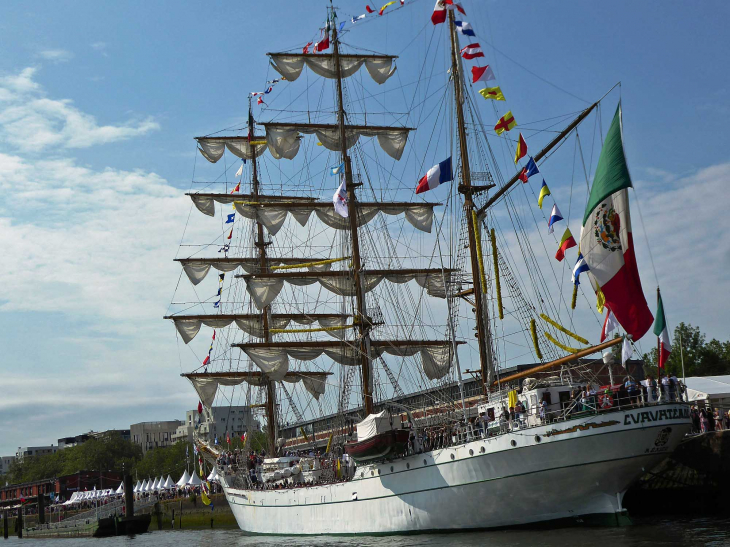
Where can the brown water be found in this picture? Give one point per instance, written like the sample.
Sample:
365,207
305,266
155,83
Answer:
648,531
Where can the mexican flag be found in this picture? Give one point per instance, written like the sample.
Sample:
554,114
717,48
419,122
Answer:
606,241
662,332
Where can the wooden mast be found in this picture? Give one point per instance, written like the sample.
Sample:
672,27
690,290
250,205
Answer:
362,326
261,244
482,320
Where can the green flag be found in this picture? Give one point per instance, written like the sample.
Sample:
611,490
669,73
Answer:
612,174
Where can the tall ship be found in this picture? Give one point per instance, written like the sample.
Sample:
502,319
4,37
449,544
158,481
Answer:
360,288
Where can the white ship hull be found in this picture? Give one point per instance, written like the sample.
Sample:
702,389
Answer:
578,468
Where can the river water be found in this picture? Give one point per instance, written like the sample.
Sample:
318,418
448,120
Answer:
645,532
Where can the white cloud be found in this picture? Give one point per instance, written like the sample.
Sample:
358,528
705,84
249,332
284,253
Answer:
100,47
56,55
32,122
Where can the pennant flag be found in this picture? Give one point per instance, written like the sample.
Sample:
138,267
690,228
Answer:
662,332
385,6
268,90
216,439
492,93
217,304
465,28
340,199
220,289
438,174
305,49
555,216
342,25
337,170
402,2
275,80
566,243
451,5
356,19
521,151
626,351
369,9
200,407
579,268
225,248
230,234
439,13
600,301
505,123
481,74
230,218
240,171
544,191
472,51
260,100
528,170
609,325
221,277
228,440
606,238
238,186
243,437
206,360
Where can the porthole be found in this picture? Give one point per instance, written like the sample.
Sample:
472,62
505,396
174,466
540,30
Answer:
424,462
471,452
482,450
408,466
391,468
452,456
372,473
537,438
513,442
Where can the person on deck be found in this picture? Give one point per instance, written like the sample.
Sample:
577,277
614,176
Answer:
632,389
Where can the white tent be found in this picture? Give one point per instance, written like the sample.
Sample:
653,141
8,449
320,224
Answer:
195,480
213,475
160,483
149,486
716,389
169,483
156,484
120,490
143,487
137,487
184,479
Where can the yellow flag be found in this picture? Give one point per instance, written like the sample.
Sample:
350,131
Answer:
329,443
512,398
600,301
304,433
492,93
385,6
505,123
206,499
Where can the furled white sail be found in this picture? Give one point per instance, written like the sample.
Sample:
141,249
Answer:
380,67
264,290
212,148
197,268
283,139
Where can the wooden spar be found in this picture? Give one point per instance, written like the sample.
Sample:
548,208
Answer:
234,316
483,337
332,126
263,264
341,55
249,197
346,273
537,157
362,327
328,204
233,138
252,374
561,361
334,344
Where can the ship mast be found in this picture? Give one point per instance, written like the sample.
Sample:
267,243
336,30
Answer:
359,316
466,188
261,245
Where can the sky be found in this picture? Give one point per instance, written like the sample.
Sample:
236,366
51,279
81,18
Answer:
99,105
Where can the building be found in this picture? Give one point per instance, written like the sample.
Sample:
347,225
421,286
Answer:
5,463
151,435
232,420
35,451
68,442
60,487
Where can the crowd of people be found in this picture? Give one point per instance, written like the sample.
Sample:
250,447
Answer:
705,420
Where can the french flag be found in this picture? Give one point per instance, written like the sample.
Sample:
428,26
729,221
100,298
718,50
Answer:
438,174
472,51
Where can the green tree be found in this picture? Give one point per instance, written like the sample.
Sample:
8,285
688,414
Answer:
701,358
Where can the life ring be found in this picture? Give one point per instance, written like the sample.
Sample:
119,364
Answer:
606,401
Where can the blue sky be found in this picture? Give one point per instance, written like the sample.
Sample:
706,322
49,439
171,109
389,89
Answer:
99,103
